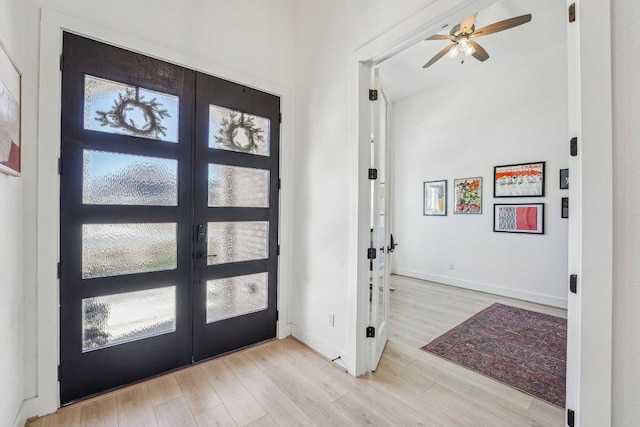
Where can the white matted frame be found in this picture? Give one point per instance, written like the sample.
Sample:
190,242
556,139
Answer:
48,185
590,225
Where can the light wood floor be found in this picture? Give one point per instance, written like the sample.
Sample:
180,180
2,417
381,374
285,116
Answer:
283,383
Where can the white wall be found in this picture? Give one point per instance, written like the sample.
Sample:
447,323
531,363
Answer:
327,33
12,312
516,114
626,227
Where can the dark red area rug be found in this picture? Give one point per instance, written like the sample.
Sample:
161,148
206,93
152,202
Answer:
521,348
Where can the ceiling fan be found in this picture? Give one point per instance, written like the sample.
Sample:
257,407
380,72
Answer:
462,33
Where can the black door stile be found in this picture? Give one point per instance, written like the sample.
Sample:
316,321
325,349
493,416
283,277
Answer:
85,373
211,339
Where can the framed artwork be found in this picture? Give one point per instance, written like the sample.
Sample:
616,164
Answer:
565,207
564,179
10,97
467,195
435,198
525,218
521,180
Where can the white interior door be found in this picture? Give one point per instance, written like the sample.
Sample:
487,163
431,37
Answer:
380,235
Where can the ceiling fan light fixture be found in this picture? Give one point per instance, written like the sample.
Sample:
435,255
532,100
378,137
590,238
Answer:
453,52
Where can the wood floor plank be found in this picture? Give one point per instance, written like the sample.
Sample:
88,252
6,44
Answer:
218,416
546,413
174,413
467,411
135,408
265,421
163,389
64,417
279,407
362,413
101,412
392,406
454,376
242,406
196,390
304,394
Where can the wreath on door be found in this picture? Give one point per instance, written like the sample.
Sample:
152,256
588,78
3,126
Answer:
228,133
131,100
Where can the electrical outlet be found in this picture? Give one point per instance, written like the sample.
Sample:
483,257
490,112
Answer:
451,266
330,319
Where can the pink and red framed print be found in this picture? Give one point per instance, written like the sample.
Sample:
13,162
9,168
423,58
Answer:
525,218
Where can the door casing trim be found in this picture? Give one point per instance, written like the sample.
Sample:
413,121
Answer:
52,25
591,236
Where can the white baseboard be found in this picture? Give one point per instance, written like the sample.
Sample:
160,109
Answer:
484,287
21,416
318,344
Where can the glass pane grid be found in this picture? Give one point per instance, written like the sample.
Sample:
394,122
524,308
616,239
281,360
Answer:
123,109
237,241
124,179
121,318
237,131
116,249
237,186
236,296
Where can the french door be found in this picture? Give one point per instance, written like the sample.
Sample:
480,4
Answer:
169,216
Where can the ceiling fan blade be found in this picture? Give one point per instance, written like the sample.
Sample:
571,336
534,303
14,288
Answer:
467,24
502,25
439,55
480,54
441,37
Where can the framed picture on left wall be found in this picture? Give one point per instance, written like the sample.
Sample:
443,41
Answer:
10,129
434,202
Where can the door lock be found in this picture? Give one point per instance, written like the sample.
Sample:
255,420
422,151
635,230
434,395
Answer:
201,234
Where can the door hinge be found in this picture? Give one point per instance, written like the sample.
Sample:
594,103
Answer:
279,117
278,249
277,314
373,173
371,332
571,418
573,283
373,95
59,372
61,62
371,253
59,270
60,166
279,183
572,13
574,146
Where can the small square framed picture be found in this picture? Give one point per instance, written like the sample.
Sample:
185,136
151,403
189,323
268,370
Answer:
527,218
467,197
564,179
434,201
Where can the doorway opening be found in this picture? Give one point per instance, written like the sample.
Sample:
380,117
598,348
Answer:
455,99
169,217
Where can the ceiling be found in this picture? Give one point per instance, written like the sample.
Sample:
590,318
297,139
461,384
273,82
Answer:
403,75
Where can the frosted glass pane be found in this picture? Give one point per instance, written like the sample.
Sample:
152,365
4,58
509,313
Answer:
123,179
120,318
237,186
115,249
235,296
237,241
114,107
236,131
